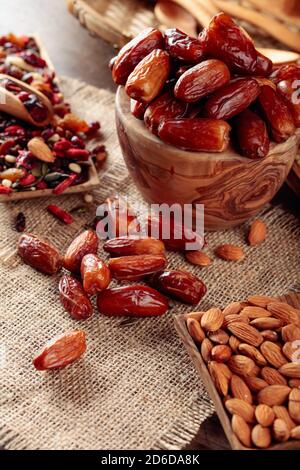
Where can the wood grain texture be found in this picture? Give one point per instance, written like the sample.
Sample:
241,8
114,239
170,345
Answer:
180,325
231,187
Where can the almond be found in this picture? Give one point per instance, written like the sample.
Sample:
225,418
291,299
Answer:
198,258
195,330
253,353
234,318
272,352
40,150
272,376
294,405
291,350
232,309
282,413
284,312
264,415
261,437
230,252
266,323
206,347
255,371
241,365
241,429
240,389
221,353
291,370
255,312
240,408
219,336
270,335
261,300
220,380
225,370
294,383
246,333
195,315
212,320
295,433
256,384
280,430
273,395
290,332
234,343
257,232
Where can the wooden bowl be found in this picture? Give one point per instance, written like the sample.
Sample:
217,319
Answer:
231,187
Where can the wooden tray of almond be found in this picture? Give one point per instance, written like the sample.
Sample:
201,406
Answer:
248,356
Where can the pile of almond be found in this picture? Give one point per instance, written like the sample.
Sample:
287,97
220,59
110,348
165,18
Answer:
252,351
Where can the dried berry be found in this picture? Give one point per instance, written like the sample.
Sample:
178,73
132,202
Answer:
20,222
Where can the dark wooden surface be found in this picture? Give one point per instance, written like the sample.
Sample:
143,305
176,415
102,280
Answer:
72,49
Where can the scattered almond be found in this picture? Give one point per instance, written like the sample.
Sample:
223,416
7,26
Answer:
198,258
291,370
234,318
282,413
206,347
294,405
264,415
266,323
280,430
273,395
195,315
221,353
195,330
290,332
246,333
284,312
255,312
232,309
256,383
234,343
270,335
212,320
230,252
225,370
289,349
272,376
242,430
240,408
219,336
40,150
272,352
261,437
261,300
241,365
220,380
240,389
257,233
253,353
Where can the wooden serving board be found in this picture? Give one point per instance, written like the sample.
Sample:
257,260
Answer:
92,183
212,431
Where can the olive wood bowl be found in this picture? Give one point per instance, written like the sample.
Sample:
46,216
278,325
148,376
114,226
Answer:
232,188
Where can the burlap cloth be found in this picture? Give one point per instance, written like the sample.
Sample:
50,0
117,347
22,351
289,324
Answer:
135,387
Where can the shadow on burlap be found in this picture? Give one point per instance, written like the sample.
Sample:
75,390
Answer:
135,387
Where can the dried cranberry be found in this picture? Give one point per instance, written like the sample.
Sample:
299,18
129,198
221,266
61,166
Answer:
93,127
47,133
27,180
20,222
23,96
25,160
34,59
62,146
78,142
15,130
42,185
6,146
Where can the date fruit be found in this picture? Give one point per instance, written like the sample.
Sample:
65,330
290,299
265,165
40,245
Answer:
227,41
39,254
138,108
125,246
133,52
277,114
290,90
86,243
179,284
183,47
149,76
95,274
121,218
136,267
61,350
132,301
175,235
164,107
251,134
286,72
201,80
197,134
74,299
232,99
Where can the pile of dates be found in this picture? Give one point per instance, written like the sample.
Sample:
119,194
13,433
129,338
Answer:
86,274
199,93
34,158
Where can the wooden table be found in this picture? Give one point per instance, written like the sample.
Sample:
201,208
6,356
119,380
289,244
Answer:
76,54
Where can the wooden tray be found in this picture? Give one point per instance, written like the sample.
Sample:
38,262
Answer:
92,183
117,21
180,325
